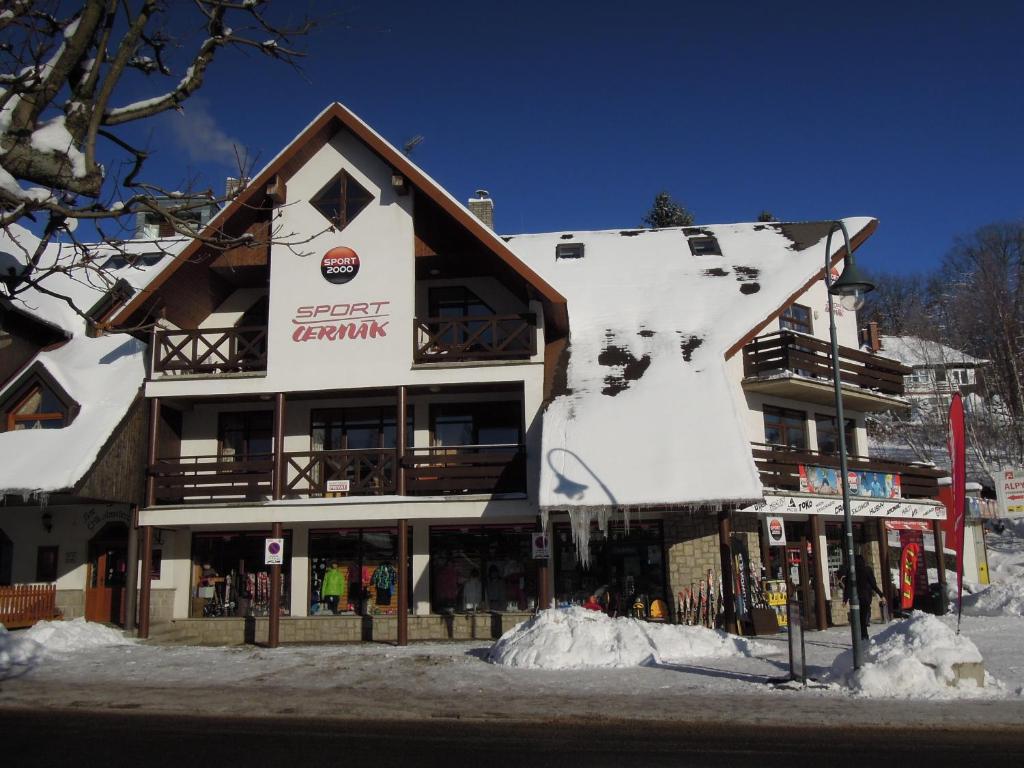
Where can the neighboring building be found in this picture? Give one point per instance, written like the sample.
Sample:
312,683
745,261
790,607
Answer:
72,436
937,370
192,211
376,399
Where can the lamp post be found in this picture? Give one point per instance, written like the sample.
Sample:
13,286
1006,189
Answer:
851,287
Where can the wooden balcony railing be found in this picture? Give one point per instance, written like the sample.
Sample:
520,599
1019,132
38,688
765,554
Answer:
210,350
368,472
463,469
780,469
461,339
811,357
212,478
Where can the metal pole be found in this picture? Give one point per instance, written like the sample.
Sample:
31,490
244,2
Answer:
858,652
131,582
403,581
147,580
274,623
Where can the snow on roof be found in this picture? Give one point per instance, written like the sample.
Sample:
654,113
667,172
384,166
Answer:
915,351
103,375
649,415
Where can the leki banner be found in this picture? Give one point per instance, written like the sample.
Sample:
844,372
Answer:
908,567
958,464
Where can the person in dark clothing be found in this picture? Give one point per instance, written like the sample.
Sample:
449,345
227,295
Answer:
866,587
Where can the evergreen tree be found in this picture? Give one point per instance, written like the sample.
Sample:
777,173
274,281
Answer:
666,212
766,215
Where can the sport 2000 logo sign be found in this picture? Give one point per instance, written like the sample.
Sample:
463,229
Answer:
339,265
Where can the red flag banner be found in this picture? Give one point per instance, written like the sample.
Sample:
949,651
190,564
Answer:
958,465
908,568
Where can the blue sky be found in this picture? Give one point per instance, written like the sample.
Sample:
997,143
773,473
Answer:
575,114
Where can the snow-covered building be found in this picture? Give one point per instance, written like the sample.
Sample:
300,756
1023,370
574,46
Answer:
72,428
937,371
446,428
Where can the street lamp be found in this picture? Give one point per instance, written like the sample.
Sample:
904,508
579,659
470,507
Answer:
851,287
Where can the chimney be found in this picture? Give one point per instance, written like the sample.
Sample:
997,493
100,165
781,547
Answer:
482,206
870,338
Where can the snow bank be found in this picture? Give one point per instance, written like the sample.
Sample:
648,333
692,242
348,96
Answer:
16,650
575,638
910,659
71,636
1002,599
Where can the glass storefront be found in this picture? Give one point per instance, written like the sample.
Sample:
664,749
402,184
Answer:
229,577
482,568
355,571
624,566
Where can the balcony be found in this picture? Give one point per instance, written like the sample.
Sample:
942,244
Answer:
780,469
797,366
474,338
435,471
209,350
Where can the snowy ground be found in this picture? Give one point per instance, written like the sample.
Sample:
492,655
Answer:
562,664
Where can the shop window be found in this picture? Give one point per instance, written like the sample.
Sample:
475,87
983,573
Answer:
37,406
476,424
229,577
828,438
46,564
785,427
624,566
482,568
365,561
245,435
796,317
341,200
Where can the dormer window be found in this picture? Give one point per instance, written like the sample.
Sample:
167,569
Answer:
37,406
341,200
704,246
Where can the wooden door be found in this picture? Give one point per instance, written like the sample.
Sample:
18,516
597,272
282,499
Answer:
105,588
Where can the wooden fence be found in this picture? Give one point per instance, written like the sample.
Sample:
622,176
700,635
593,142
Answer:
24,604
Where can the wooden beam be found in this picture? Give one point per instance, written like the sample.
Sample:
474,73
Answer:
274,623
819,583
403,581
277,190
147,580
725,563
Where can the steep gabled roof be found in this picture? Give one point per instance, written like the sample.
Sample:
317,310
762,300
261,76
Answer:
317,133
650,416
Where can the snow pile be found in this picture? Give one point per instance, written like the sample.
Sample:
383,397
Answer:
576,638
72,636
1000,599
16,650
910,659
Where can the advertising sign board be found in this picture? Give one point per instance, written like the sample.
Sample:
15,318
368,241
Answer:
824,481
1010,492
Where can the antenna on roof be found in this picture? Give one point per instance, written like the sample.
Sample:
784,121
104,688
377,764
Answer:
411,144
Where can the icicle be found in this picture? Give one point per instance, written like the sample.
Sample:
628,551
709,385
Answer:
544,520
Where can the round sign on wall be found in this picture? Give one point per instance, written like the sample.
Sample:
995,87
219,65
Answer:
339,265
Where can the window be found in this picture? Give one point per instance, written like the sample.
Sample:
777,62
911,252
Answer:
479,568
46,564
455,301
357,429
341,200
569,251
919,377
229,577
796,317
476,424
785,427
828,439
245,435
704,246
37,407
367,560
961,376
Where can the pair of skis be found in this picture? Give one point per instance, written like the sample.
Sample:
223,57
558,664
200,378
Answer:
697,605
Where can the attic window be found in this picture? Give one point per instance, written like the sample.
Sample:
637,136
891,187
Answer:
569,251
341,200
704,246
37,406
112,299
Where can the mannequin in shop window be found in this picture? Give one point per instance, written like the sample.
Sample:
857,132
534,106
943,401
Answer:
472,591
333,590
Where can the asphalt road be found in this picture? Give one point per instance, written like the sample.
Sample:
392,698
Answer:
71,737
